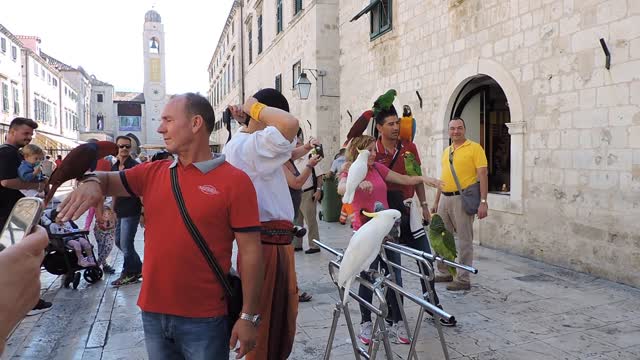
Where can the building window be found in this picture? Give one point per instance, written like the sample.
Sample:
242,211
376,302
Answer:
42,72
55,82
278,16
297,4
250,35
100,98
14,53
295,73
278,85
260,34
36,69
380,18
233,27
233,70
3,45
16,101
5,97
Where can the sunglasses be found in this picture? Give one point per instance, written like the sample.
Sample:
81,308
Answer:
124,146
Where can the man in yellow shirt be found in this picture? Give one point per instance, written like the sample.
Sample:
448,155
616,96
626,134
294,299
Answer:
470,164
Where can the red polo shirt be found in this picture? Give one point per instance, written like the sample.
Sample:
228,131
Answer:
384,157
221,201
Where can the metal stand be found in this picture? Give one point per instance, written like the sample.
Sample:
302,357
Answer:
381,284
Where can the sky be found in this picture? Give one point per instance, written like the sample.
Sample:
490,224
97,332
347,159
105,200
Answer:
105,37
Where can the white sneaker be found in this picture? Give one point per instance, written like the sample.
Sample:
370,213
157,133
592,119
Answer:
366,330
398,333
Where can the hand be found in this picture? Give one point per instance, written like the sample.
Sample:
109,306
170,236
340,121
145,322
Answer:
314,160
433,182
238,114
483,210
244,331
142,220
434,208
86,195
20,279
317,195
248,104
366,186
426,215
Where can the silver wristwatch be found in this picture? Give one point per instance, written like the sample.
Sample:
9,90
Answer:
253,319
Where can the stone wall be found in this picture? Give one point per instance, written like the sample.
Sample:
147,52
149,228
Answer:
575,139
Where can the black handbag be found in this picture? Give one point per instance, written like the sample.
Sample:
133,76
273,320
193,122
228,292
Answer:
231,282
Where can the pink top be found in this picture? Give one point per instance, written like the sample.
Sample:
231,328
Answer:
365,200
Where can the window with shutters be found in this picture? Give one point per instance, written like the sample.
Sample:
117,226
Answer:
278,16
297,6
278,84
260,34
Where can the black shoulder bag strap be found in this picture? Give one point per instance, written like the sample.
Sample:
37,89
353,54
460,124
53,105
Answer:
197,237
396,155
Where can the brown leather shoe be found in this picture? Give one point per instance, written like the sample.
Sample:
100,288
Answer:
443,278
458,286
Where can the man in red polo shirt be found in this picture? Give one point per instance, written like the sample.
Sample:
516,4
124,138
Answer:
183,304
390,151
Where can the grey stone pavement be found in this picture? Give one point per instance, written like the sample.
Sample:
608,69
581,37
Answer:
517,309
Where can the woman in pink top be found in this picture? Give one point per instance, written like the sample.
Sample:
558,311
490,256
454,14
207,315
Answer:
372,190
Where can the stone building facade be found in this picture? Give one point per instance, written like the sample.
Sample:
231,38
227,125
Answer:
279,40
530,78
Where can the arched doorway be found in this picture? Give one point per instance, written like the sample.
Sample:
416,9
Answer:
461,82
483,105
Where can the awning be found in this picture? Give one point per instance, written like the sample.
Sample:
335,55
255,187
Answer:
366,9
52,142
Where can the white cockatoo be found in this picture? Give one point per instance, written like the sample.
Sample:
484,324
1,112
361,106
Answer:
357,173
364,246
416,223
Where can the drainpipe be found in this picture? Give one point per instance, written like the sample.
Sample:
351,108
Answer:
241,35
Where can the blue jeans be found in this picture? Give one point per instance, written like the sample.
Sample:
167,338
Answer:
126,229
170,337
392,302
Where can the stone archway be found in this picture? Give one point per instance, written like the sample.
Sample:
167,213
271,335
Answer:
513,202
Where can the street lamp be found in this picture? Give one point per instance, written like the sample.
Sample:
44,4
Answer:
304,86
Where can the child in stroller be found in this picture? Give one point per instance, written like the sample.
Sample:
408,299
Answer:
69,250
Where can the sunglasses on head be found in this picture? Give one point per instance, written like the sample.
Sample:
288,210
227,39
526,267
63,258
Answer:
124,146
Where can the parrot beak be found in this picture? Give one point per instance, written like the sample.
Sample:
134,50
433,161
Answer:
368,214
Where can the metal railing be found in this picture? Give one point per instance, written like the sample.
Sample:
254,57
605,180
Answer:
380,285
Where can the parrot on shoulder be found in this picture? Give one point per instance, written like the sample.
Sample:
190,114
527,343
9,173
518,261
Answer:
442,241
407,125
364,247
357,173
79,160
384,102
359,126
411,164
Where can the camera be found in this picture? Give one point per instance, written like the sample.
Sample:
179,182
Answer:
317,150
226,116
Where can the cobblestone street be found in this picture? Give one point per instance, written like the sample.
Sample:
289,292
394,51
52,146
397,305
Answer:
516,309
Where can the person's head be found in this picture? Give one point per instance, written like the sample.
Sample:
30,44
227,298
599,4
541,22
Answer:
59,157
21,131
340,153
142,157
300,137
272,98
457,130
32,153
186,118
108,214
161,155
388,123
48,157
124,146
361,143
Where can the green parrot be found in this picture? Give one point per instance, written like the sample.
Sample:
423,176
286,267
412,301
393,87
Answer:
442,241
411,164
384,102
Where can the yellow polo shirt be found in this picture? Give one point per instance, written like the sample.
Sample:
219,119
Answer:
466,160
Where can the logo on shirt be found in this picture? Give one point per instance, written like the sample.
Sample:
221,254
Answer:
208,190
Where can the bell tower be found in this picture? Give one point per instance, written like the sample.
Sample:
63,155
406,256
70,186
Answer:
153,46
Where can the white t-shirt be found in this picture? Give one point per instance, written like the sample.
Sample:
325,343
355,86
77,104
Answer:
261,155
301,164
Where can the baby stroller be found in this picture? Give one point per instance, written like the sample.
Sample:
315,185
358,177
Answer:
61,259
